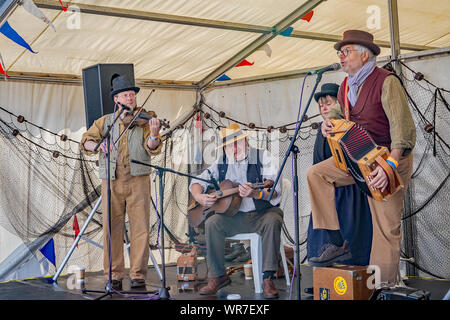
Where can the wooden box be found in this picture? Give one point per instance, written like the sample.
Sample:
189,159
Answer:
187,265
341,283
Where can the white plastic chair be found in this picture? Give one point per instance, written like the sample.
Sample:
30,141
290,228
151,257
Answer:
256,255
256,247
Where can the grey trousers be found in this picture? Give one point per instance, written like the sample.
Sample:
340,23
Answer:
218,227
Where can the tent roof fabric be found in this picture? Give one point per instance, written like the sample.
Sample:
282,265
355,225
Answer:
188,53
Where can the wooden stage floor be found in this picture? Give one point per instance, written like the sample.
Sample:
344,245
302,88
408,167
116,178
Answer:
44,289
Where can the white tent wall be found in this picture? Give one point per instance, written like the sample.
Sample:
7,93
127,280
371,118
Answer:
58,108
185,54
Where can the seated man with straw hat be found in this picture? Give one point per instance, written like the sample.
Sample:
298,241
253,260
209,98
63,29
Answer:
243,165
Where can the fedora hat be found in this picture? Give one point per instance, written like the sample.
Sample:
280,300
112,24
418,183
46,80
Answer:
330,89
358,37
231,133
120,84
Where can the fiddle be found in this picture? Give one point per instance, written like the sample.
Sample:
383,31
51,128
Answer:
140,117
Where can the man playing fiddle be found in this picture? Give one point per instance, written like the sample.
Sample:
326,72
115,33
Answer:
243,165
130,183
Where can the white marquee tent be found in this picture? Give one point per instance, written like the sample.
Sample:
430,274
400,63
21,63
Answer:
180,48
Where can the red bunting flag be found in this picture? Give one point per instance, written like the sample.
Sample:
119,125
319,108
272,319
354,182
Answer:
308,16
76,227
62,6
2,67
244,63
198,123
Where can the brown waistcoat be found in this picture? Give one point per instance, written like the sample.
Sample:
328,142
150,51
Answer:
368,110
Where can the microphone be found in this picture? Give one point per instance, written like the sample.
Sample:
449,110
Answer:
215,184
331,67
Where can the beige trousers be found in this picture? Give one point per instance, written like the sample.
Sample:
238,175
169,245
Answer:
131,195
324,176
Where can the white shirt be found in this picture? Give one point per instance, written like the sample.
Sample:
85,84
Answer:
237,172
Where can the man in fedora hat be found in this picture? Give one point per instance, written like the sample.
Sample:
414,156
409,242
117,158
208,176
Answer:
130,183
244,165
377,101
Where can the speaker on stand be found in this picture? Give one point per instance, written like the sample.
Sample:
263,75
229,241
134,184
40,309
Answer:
97,88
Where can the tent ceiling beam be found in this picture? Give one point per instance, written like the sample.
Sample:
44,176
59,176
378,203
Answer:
207,23
336,38
259,42
153,16
394,33
302,72
75,79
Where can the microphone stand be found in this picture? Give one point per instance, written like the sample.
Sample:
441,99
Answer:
107,136
293,150
164,291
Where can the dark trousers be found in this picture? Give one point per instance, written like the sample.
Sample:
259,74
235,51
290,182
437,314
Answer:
218,227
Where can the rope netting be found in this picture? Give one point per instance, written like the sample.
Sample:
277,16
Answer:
47,183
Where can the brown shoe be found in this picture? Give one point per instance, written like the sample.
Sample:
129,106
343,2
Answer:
215,284
269,290
330,254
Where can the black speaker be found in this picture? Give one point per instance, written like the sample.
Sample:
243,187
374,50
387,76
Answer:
97,88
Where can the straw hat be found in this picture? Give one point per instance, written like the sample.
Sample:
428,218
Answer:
231,133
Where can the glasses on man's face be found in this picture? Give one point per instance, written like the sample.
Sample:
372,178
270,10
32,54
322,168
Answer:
128,95
344,52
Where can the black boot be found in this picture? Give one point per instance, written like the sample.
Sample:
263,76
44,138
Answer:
236,250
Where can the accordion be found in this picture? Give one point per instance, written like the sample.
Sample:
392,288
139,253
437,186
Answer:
354,151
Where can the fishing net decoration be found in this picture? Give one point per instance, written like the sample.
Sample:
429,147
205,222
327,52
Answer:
47,182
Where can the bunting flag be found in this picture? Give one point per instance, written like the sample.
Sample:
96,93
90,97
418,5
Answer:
223,77
308,16
2,67
14,36
62,6
31,7
267,49
244,63
76,227
287,32
48,250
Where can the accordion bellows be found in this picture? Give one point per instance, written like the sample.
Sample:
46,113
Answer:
354,151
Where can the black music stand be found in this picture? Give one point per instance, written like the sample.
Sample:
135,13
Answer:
293,149
164,291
